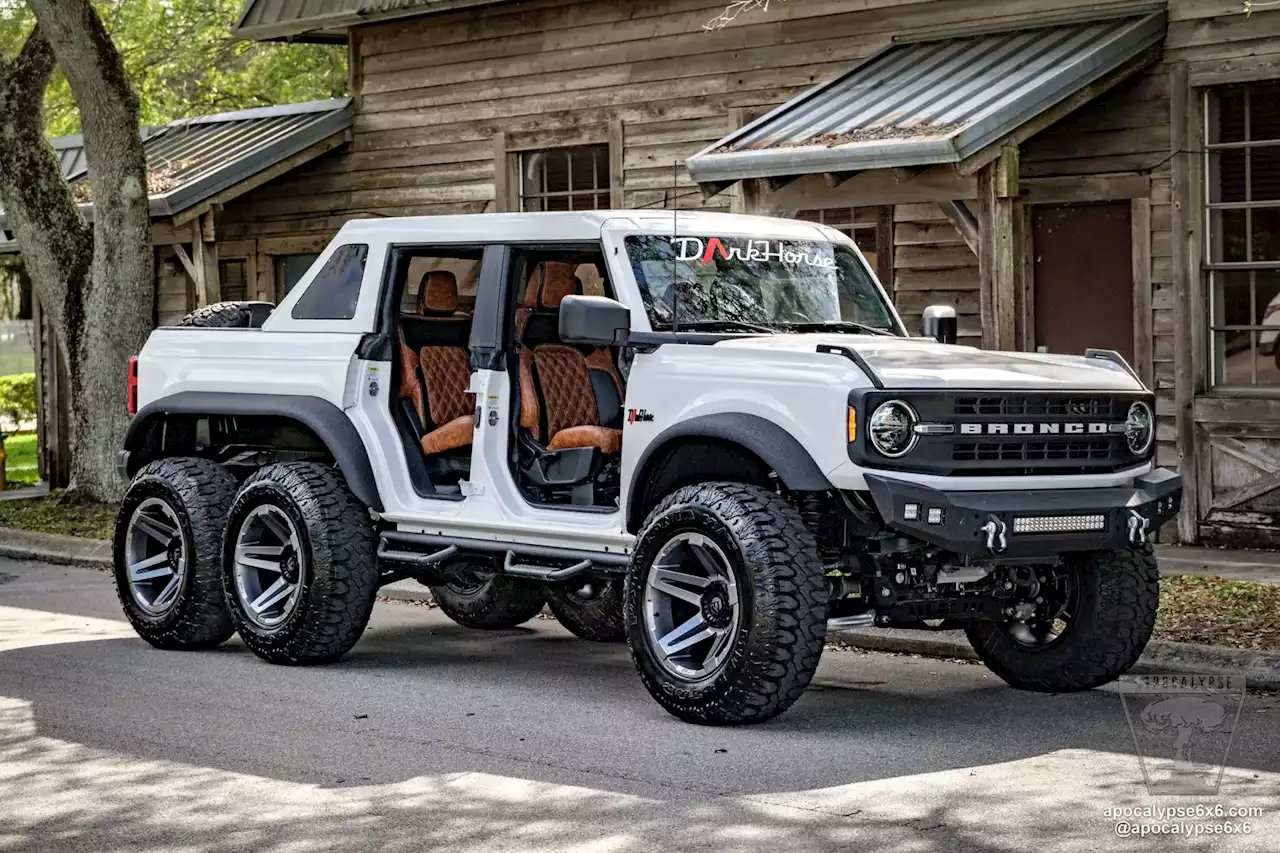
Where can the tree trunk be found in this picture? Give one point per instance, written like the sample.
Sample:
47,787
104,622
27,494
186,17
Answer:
99,285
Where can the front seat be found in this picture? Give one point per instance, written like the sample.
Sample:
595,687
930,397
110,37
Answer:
568,399
444,368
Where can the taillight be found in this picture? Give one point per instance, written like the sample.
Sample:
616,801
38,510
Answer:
132,401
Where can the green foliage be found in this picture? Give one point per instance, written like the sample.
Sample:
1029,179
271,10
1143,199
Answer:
18,397
184,61
20,464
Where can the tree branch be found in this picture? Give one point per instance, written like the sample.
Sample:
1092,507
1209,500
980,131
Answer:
733,10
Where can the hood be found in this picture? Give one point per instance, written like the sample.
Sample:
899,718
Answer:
925,363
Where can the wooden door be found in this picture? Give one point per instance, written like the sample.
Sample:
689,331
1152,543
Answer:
1238,471
1083,271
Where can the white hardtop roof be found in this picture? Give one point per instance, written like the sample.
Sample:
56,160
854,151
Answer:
581,226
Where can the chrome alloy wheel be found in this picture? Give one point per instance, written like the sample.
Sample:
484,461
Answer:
267,566
691,608
155,556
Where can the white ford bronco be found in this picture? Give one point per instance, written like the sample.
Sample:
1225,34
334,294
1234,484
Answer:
708,435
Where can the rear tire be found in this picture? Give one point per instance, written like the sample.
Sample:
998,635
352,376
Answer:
172,517
591,611
1116,597
741,559
487,600
299,568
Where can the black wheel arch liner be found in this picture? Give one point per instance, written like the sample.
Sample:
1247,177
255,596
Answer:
323,418
773,444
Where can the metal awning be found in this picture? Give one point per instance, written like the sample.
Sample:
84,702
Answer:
929,102
190,161
328,20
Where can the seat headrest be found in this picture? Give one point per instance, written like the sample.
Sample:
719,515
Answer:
549,283
438,294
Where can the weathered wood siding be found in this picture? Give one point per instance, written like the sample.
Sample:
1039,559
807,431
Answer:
933,266
434,92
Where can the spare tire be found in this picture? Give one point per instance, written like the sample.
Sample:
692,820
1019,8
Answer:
223,315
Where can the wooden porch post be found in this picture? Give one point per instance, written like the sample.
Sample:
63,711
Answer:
997,269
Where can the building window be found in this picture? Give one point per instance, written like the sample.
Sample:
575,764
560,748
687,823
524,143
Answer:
290,269
861,224
235,280
1242,192
565,179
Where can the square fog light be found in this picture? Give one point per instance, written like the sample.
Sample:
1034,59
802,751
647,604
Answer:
911,512
935,515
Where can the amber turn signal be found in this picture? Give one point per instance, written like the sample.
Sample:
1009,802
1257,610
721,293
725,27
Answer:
853,424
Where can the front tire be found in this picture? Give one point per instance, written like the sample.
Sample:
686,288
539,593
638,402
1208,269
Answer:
299,568
480,597
1103,622
725,604
167,553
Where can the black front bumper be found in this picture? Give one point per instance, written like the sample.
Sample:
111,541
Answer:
1030,523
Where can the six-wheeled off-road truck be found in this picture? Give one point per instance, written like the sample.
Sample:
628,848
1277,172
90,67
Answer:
710,436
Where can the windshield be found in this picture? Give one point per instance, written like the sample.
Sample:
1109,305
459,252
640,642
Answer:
787,285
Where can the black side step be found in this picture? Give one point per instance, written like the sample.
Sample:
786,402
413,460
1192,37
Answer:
427,549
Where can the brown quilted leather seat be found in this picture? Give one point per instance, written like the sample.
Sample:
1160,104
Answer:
559,403
434,372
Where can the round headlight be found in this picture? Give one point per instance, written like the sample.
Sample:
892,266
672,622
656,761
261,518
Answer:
892,428
1139,428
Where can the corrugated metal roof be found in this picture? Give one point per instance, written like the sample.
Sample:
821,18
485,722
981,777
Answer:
327,20
928,102
190,160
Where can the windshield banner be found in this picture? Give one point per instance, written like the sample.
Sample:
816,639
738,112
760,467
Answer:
704,252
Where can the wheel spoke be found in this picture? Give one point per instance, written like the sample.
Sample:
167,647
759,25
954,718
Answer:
257,562
680,638
259,551
272,595
152,567
155,528
169,593
273,524
707,559
668,581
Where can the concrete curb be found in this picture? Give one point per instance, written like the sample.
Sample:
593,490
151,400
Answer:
1259,668
54,548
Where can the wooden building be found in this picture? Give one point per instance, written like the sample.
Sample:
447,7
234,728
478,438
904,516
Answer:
1121,190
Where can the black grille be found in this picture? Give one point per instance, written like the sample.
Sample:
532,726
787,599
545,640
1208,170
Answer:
1044,406
1031,451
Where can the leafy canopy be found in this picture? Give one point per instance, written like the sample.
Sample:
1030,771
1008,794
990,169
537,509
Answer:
184,62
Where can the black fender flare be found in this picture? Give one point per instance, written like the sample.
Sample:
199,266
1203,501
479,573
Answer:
323,418
776,447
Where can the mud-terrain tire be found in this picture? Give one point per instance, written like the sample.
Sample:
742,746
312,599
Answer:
487,601
223,315
303,518
770,642
195,493
591,611
1117,594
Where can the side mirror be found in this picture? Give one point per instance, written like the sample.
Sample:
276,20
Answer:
939,322
594,321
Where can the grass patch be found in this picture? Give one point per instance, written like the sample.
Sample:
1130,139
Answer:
56,514
20,458
1219,612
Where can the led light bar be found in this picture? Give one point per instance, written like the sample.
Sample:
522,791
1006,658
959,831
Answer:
1059,523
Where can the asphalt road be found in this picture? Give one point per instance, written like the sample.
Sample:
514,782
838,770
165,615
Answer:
431,737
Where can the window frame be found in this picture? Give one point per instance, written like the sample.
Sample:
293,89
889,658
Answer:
1212,269
599,157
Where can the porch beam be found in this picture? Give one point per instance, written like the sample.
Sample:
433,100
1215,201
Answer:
997,270
835,179
964,221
